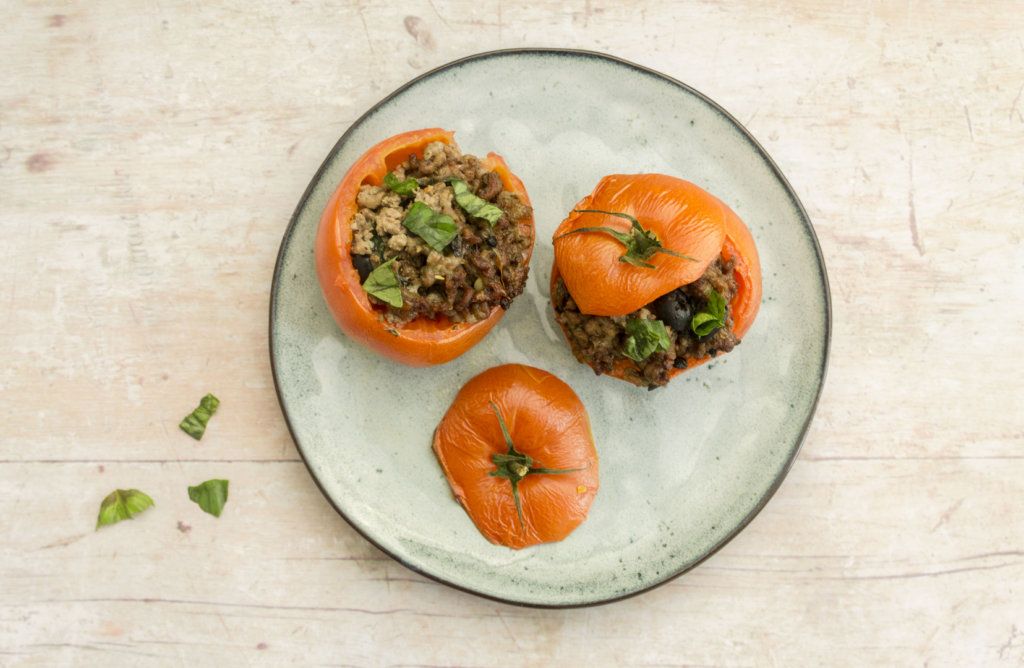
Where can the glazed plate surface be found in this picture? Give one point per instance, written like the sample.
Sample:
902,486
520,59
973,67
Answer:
684,468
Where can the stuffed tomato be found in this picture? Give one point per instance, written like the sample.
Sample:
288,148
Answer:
421,248
653,276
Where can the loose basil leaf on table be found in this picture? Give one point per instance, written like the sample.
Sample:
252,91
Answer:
437,229
120,505
194,424
383,284
472,204
713,318
210,495
403,188
645,337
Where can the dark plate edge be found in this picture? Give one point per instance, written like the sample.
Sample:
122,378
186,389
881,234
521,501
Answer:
778,173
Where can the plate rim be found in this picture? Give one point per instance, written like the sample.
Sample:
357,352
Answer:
783,473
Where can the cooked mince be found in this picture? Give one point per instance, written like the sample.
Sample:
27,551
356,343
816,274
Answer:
599,340
483,267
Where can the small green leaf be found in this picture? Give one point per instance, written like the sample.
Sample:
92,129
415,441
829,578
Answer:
194,424
645,337
121,505
711,319
437,229
210,495
383,284
403,188
472,204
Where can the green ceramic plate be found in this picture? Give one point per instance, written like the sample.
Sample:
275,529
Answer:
683,469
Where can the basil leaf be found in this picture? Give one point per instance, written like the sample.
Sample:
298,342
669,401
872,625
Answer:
194,424
711,319
121,505
645,337
383,284
403,188
437,229
472,204
210,495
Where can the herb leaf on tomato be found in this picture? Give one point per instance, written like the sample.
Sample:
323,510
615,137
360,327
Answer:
711,319
383,284
474,205
403,188
210,495
121,504
640,244
195,422
645,337
437,229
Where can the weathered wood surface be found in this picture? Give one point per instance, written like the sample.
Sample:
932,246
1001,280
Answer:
150,157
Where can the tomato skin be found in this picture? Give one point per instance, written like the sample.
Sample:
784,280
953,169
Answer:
684,217
737,244
421,342
547,421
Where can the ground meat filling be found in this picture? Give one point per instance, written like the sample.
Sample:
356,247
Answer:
599,340
481,268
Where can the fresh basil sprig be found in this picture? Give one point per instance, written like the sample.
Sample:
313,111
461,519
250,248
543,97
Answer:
121,505
474,205
210,495
645,337
437,229
640,244
195,422
383,284
713,318
514,466
403,188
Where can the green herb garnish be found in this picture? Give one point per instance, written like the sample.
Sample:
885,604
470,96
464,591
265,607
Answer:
121,505
210,495
194,424
472,204
437,229
640,244
514,466
708,321
403,188
383,284
379,245
645,337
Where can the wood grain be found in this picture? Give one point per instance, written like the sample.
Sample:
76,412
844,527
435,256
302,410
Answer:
150,158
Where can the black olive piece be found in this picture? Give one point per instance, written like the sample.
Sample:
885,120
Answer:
651,388
680,363
676,309
492,241
456,246
713,352
364,265
707,337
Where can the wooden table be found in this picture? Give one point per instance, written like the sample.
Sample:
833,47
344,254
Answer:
151,155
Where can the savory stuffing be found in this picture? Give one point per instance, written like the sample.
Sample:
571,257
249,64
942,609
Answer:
480,268
600,341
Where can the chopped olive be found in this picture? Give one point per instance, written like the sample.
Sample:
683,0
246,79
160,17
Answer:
676,309
492,241
363,265
680,363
